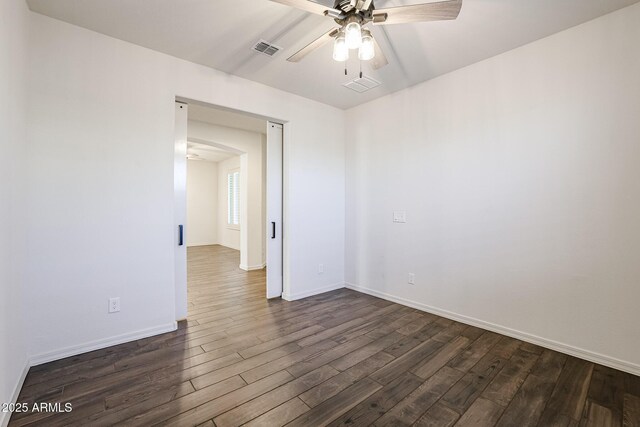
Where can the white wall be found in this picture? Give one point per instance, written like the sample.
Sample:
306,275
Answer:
202,203
520,180
13,93
100,190
228,236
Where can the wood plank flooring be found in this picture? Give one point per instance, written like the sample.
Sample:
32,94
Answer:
340,358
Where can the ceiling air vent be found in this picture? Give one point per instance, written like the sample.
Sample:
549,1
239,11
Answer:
266,48
362,84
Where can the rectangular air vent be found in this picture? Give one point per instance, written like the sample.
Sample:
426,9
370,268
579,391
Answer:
266,48
362,84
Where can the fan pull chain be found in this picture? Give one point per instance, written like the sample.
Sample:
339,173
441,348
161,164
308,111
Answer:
360,69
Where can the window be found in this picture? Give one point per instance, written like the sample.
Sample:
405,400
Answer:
233,199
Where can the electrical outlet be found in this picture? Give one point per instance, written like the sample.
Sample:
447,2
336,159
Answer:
114,305
412,279
399,217
320,268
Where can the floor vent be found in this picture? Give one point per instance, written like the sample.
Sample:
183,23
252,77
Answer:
362,84
266,48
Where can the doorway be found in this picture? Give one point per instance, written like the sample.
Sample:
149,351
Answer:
228,181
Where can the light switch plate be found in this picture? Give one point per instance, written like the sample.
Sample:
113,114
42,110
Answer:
400,217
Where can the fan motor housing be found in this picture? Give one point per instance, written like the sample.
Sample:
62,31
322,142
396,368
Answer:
354,8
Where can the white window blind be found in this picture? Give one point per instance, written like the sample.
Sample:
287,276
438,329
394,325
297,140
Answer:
233,202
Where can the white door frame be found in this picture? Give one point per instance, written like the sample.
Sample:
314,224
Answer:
180,209
180,185
274,218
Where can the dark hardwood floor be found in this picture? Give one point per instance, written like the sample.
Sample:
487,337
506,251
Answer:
340,358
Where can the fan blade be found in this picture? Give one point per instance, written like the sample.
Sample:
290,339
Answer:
319,42
309,6
380,60
438,11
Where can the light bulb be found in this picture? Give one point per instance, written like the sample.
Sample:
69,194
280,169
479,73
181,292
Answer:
340,49
353,34
367,48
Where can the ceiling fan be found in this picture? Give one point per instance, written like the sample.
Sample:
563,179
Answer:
193,148
353,15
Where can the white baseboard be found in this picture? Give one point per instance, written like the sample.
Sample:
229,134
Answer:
252,267
79,349
195,245
102,343
292,297
5,416
581,353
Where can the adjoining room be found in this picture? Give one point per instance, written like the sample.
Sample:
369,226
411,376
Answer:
226,206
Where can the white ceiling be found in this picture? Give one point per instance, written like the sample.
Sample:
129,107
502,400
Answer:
215,116
225,118
198,151
220,34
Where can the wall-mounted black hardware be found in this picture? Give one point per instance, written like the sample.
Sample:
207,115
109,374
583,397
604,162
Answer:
273,230
180,235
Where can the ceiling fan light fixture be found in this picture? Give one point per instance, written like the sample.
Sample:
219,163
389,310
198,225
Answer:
353,34
340,49
367,49
353,15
